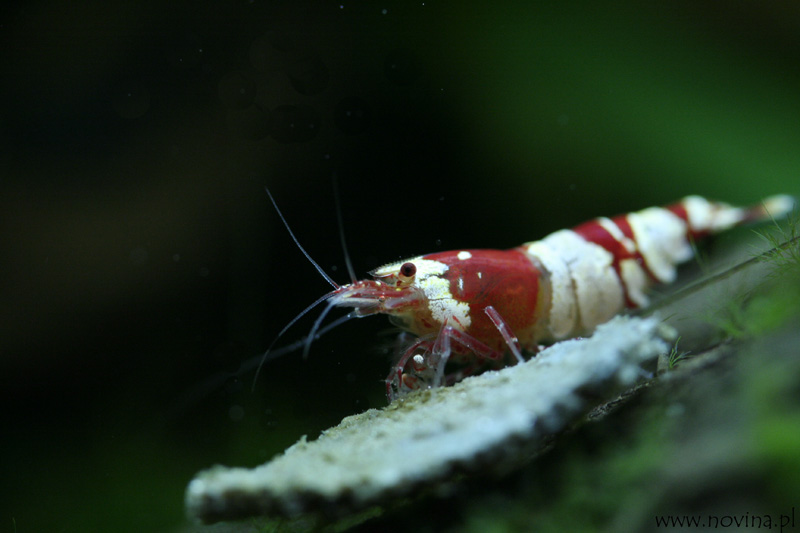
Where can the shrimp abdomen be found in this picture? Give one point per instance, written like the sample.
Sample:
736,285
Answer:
602,266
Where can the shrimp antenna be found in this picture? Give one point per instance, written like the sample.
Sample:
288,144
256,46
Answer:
338,203
315,327
202,389
319,268
285,328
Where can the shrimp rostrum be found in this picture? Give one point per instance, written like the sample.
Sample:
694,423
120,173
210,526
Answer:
475,309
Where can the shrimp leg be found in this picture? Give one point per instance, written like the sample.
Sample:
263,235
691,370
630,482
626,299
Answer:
427,369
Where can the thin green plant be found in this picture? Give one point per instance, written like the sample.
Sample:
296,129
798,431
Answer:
784,241
677,356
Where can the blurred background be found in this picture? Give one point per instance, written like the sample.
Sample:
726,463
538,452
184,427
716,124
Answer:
142,265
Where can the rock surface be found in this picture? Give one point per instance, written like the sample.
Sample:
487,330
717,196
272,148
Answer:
422,439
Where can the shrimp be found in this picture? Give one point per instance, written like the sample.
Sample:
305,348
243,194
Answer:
478,308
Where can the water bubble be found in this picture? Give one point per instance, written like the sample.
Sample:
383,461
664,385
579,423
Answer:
351,115
384,11
237,90
131,100
184,51
290,124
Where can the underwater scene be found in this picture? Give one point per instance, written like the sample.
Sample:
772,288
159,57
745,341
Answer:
181,183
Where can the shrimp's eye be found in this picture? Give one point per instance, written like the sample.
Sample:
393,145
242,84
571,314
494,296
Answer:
408,269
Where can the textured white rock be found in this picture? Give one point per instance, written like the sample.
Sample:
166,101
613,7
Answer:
420,439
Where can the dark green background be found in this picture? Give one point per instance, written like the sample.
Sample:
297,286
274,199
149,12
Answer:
140,257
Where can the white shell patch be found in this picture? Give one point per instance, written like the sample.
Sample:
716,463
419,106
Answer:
597,287
635,279
436,289
425,267
707,216
442,304
464,255
563,307
661,238
778,205
613,230
698,212
594,284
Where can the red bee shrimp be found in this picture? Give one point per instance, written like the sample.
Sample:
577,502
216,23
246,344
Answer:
475,307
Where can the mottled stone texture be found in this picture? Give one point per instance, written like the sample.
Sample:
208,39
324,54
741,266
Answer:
422,439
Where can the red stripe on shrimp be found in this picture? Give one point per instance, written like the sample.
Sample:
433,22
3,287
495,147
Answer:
615,235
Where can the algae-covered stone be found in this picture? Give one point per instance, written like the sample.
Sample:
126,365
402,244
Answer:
423,438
